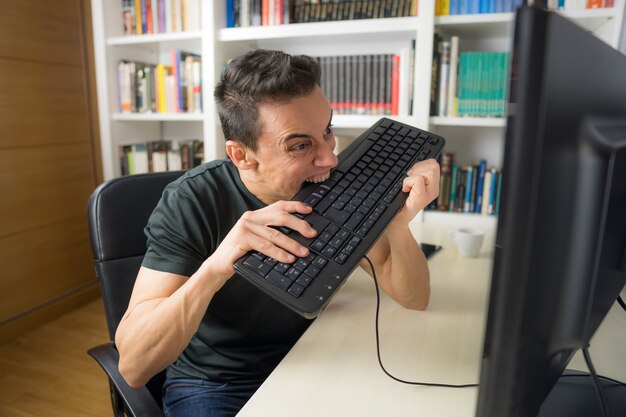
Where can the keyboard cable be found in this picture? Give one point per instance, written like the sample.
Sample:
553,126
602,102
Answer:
380,362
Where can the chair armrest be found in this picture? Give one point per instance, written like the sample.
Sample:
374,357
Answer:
137,401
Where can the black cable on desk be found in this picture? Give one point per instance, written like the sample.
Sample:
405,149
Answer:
380,362
596,383
621,302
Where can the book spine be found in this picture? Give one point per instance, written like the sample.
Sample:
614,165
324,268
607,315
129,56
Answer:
468,189
498,194
453,186
452,88
445,181
486,190
444,71
395,85
434,74
138,20
492,191
128,17
480,181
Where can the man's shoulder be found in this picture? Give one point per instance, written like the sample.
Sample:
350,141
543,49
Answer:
205,175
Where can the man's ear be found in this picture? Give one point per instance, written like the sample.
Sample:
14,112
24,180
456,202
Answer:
242,157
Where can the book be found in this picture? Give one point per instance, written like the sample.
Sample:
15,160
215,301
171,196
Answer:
480,180
484,209
453,186
498,194
445,180
124,87
128,17
395,85
468,188
160,155
157,156
461,179
443,78
454,64
492,191
434,75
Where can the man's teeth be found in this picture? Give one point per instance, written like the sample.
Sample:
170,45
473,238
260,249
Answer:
319,179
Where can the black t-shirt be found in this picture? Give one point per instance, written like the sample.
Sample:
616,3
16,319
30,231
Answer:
244,333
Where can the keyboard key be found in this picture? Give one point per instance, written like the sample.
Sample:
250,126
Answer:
296,289
318,245
278,280
354,221
255,265
341,258
312,200
320,262
282,268
329,251
337,216
304,280
301,264
312,271
293,274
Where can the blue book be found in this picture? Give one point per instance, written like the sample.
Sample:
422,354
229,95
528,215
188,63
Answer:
230,13
454,5
480,181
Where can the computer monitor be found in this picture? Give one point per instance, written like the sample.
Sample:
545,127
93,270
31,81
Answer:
560,256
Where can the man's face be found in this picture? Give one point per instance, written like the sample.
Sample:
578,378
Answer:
296,146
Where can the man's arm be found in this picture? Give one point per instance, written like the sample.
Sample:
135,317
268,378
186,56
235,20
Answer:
164,312
166,309
400,264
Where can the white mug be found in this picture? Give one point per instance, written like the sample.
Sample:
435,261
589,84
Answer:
468,241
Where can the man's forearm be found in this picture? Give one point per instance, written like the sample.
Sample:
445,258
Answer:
404,273
155,331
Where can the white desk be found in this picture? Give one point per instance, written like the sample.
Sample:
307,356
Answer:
333,369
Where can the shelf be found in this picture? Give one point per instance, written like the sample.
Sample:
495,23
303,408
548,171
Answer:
592,19
460,219
468,121
152,39
158,117
499,24
476,25
367,27
482,19
347,121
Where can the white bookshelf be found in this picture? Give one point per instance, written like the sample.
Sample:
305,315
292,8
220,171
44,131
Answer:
474,137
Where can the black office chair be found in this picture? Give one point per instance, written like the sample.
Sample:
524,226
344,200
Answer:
118,211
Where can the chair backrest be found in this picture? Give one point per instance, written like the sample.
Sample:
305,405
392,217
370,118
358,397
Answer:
118,212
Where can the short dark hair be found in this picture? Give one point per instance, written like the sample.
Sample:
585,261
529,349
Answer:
255,78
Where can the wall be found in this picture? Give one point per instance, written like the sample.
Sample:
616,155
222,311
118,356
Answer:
49,161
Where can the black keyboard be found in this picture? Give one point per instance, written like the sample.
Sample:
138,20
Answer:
350,211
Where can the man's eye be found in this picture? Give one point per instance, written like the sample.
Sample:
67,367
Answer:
301,147
328,131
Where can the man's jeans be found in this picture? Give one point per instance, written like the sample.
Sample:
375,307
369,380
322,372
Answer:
190,397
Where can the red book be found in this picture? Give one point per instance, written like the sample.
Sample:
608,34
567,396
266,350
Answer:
149,15
279,12
395,84
265,12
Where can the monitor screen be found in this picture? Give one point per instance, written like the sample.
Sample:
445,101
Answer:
560,256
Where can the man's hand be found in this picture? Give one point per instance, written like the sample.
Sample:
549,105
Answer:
422,184
253,232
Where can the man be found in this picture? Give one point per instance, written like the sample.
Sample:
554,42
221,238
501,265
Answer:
219,335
